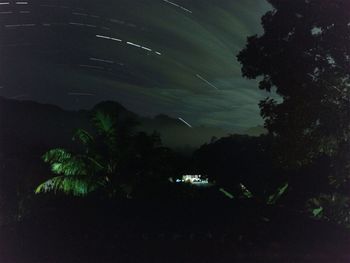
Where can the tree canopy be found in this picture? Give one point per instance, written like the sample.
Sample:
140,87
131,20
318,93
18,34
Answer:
304,56
112,159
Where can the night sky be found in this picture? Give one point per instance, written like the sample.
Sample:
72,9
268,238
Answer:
153,56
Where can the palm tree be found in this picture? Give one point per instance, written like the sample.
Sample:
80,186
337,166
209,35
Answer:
95,168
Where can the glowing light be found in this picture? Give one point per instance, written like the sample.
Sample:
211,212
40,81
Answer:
193,179
109,38
185,122
133,44
146,48
158,53
4,3
206,81
115,39
177,5
102,60
21,3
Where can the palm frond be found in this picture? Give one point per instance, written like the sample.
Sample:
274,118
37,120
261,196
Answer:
84,136
77,186
73,166
56,155
104,123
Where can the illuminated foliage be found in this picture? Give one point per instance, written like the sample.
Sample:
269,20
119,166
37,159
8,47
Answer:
333,207
82,173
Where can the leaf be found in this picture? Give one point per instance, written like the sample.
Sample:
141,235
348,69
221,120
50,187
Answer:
85,137
103,122
56,155
317,212
245,191
72,166
76,186
272,199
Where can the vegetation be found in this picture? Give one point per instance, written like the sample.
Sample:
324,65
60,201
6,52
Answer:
303,56
288,187
110,162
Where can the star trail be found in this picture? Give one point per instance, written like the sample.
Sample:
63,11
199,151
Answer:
152,56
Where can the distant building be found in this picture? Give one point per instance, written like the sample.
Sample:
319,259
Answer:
193,179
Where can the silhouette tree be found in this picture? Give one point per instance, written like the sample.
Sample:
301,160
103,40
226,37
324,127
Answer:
304,55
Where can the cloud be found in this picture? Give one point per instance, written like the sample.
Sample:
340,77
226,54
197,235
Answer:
204,42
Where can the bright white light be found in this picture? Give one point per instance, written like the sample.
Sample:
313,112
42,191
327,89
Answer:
146,48
195,179
210,84
115,39
185,122
133,44
4,3
158,53
109,38
21,3
179,6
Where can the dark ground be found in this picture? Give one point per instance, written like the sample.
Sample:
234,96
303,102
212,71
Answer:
170,232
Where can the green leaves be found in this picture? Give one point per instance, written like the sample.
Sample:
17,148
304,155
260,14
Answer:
272,199
317,212
56,155
333,207
104,123
76,186
85,137
82,173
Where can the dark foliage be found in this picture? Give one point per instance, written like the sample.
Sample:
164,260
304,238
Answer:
303,55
